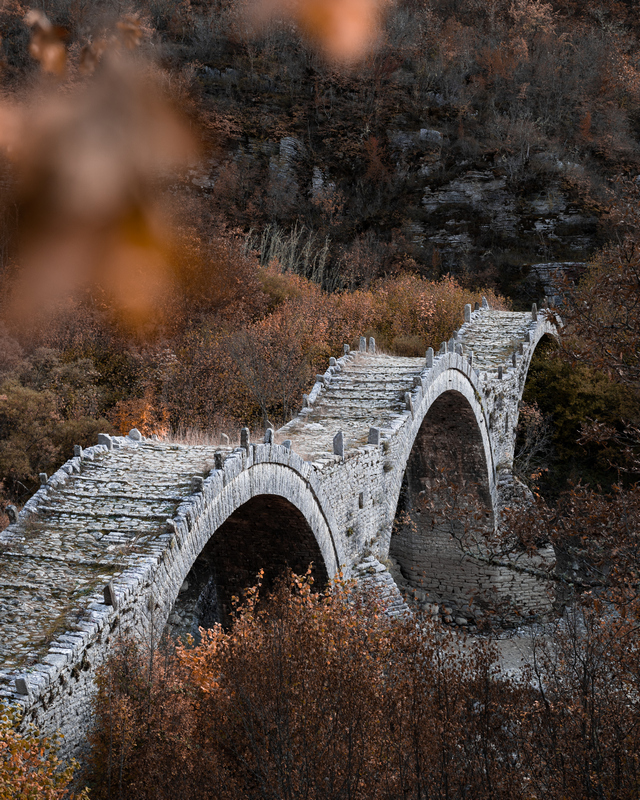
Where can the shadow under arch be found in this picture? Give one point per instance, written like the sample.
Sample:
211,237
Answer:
445,508
266,532
544,455
548,342
506,439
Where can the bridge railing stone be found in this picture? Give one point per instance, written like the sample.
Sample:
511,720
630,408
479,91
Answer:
429,357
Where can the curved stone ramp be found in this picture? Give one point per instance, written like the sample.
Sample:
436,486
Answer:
99,516
361,391
501,345
365,389
493,336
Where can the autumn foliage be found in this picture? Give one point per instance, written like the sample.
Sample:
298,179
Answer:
320,695
29,766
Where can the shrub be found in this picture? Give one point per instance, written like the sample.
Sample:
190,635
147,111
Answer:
35,438
140,413
573,394
308,695
315,695
29,766
411,306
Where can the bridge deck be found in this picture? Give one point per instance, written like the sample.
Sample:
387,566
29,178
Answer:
92,527
493,336
368,392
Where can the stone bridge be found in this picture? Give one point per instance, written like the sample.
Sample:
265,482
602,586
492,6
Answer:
393,473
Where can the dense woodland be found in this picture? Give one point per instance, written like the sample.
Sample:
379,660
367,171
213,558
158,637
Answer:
305,202
196,213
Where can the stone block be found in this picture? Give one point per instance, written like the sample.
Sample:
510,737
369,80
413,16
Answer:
22,687
245,436
408,402
429,358
105,440
110,597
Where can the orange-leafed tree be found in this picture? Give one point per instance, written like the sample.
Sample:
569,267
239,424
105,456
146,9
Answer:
29,765
274,356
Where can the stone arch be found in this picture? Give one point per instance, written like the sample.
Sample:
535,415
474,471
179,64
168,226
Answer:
267,516
445,506
547,338
546,333
266,533
456,377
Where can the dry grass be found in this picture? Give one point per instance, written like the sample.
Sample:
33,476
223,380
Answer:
211,437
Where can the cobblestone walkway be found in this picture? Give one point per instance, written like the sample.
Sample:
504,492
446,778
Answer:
493,336
364,390
111,510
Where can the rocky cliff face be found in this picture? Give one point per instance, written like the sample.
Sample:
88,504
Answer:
427,193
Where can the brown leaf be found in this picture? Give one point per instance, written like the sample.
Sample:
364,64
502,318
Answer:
47,45
130,32
90,56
